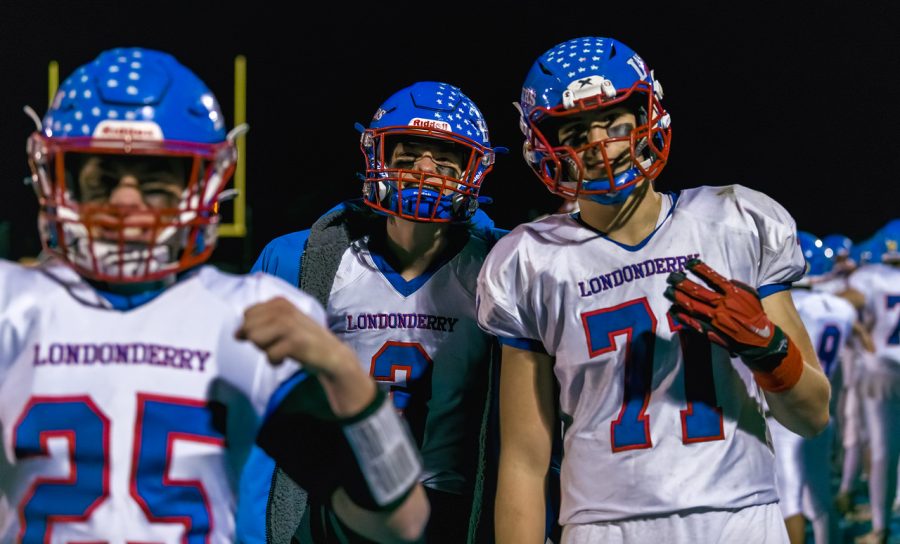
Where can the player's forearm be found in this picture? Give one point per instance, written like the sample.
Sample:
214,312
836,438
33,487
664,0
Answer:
527,412
865,338
803,408
519,511
348,388
857,299
403,524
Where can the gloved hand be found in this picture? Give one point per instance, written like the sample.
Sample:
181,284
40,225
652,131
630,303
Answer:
731,315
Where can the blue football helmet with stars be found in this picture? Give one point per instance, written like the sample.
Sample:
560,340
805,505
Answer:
131,106
819,257
434,115
593,74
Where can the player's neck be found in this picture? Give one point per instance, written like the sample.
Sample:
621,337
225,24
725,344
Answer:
627,223
127,296
132,289
413,246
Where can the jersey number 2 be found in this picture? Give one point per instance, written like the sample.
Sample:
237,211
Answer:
701,420
402,364
159,423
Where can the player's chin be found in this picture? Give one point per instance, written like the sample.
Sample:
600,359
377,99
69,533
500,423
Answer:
596,174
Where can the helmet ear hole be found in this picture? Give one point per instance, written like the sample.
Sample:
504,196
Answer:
382,191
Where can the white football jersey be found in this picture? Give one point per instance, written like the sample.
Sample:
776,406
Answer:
420,341
829,321
803,465
645,433
880,283
128,426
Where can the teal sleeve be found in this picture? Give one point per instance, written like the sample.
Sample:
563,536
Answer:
281,257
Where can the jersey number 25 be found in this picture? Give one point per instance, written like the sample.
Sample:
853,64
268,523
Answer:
160,421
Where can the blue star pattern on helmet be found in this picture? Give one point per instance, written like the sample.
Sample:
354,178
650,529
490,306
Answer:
135,85
578,56
887,246
864,252
442,102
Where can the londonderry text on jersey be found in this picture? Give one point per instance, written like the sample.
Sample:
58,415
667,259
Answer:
109,353
631,272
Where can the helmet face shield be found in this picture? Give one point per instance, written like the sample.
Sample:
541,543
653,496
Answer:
427,153
431,176
129,217
584,82
93,177
128,168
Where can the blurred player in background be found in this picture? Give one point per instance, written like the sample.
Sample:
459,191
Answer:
851,425
803,466
129,396
879,284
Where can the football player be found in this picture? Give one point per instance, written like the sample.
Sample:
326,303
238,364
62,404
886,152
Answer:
845,383
133,381
803,466
396,272
879,283
661,402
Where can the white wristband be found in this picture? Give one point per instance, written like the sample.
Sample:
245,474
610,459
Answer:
385,452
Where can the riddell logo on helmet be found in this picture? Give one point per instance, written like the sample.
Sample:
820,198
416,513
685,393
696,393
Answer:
128,130
430,123
529,97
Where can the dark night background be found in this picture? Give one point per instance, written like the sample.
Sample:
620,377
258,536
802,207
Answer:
797,100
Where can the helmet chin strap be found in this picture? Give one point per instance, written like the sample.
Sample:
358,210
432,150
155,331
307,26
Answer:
614,196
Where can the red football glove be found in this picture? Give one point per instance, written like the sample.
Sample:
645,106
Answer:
731,315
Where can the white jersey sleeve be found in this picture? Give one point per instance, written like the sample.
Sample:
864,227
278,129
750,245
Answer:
770,227
505,296
240,292
782,260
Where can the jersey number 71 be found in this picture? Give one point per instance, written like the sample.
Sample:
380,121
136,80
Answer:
701,420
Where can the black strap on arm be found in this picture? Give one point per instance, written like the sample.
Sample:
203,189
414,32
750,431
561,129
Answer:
370,455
